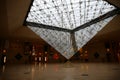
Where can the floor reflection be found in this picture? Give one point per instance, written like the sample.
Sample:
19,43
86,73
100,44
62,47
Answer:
84,67
78,71
3,68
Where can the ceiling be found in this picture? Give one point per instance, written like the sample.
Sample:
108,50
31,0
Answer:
13,12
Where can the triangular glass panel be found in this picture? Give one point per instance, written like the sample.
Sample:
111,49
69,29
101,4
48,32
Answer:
59,40
64,43
84,35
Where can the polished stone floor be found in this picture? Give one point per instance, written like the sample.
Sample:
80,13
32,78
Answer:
63,71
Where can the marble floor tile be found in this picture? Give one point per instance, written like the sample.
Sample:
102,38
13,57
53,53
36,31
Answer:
63,71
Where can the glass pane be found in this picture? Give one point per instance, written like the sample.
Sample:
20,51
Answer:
64,43
69,13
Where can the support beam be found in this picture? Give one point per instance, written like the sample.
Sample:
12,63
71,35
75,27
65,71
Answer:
47,27
72,38
107,15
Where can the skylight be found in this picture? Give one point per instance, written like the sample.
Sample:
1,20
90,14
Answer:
67,25
67,14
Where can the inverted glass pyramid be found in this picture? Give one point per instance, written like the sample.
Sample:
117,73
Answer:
66,24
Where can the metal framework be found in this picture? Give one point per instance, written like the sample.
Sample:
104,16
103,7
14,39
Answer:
105,16
67,25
